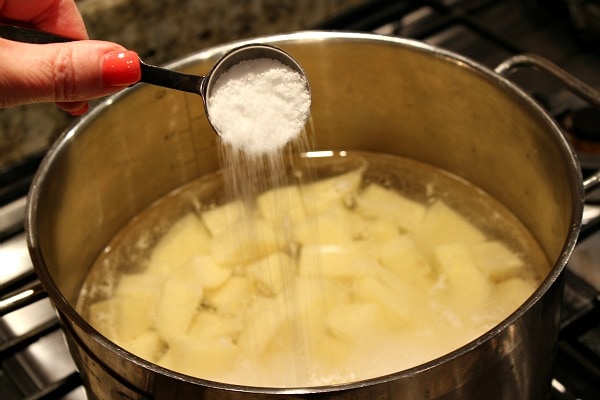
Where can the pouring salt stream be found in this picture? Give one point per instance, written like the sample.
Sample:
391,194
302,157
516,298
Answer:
290,271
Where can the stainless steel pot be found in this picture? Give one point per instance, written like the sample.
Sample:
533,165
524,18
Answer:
371,93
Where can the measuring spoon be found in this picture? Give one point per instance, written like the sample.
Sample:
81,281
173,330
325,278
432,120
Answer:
197,84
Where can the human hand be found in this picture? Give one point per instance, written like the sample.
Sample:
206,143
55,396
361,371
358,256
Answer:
66,73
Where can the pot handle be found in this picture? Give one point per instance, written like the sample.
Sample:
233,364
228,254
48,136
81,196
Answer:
579,88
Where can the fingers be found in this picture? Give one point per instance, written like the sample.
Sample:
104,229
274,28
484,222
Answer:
57,16
74,107
63,74
66,73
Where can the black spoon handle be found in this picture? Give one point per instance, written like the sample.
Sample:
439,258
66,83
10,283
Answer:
25,35
171,79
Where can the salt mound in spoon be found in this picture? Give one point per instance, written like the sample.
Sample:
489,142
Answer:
259,105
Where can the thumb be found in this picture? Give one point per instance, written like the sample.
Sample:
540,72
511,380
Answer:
65,73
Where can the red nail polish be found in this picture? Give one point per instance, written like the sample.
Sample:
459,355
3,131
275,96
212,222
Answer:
120,68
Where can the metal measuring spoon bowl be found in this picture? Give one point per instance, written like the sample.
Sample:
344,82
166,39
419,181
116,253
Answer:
247,53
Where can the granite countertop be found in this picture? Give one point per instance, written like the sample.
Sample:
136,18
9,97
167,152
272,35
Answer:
160,31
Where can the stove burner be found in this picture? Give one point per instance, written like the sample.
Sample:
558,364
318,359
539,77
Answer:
585,15
582,126
586,126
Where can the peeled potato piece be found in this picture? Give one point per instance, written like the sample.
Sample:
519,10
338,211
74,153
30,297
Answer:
402,256
334,225
264,320
186,239
380,230
142,291
513,292
121,318
203,271
102,315
232,296
442,225
272,273
378,202
209,359
313,299
468,288
497,261
176,307
357,322
342,261
399,304
247,241
147,345
323,194
209,325
282,205
221,217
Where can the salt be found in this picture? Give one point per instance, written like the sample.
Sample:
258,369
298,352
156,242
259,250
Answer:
259,105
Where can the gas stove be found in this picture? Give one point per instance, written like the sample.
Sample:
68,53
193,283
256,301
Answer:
34,361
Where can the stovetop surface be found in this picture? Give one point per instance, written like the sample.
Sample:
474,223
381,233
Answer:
34,362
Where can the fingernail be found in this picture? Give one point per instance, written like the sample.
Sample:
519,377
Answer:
120,68
81,111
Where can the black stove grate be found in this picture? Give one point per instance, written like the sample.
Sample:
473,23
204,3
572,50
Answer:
442,16
488,31
16,382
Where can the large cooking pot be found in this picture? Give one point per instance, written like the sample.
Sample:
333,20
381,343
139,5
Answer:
370,93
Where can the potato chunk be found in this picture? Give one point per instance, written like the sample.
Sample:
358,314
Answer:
203,271
177,306
468,288
378,202
232,296
102,315
513,292
399,305
381,229
283,205
342,261
247,241
265,319
221,217
272,273
497,261
145,285
335,225
186,239
402,256
121,318
147,345
326,193
356,322
209,359
209,325
442,225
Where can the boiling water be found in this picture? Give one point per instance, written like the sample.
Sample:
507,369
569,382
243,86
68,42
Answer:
324,321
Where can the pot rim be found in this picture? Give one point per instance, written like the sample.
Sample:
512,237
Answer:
60,302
